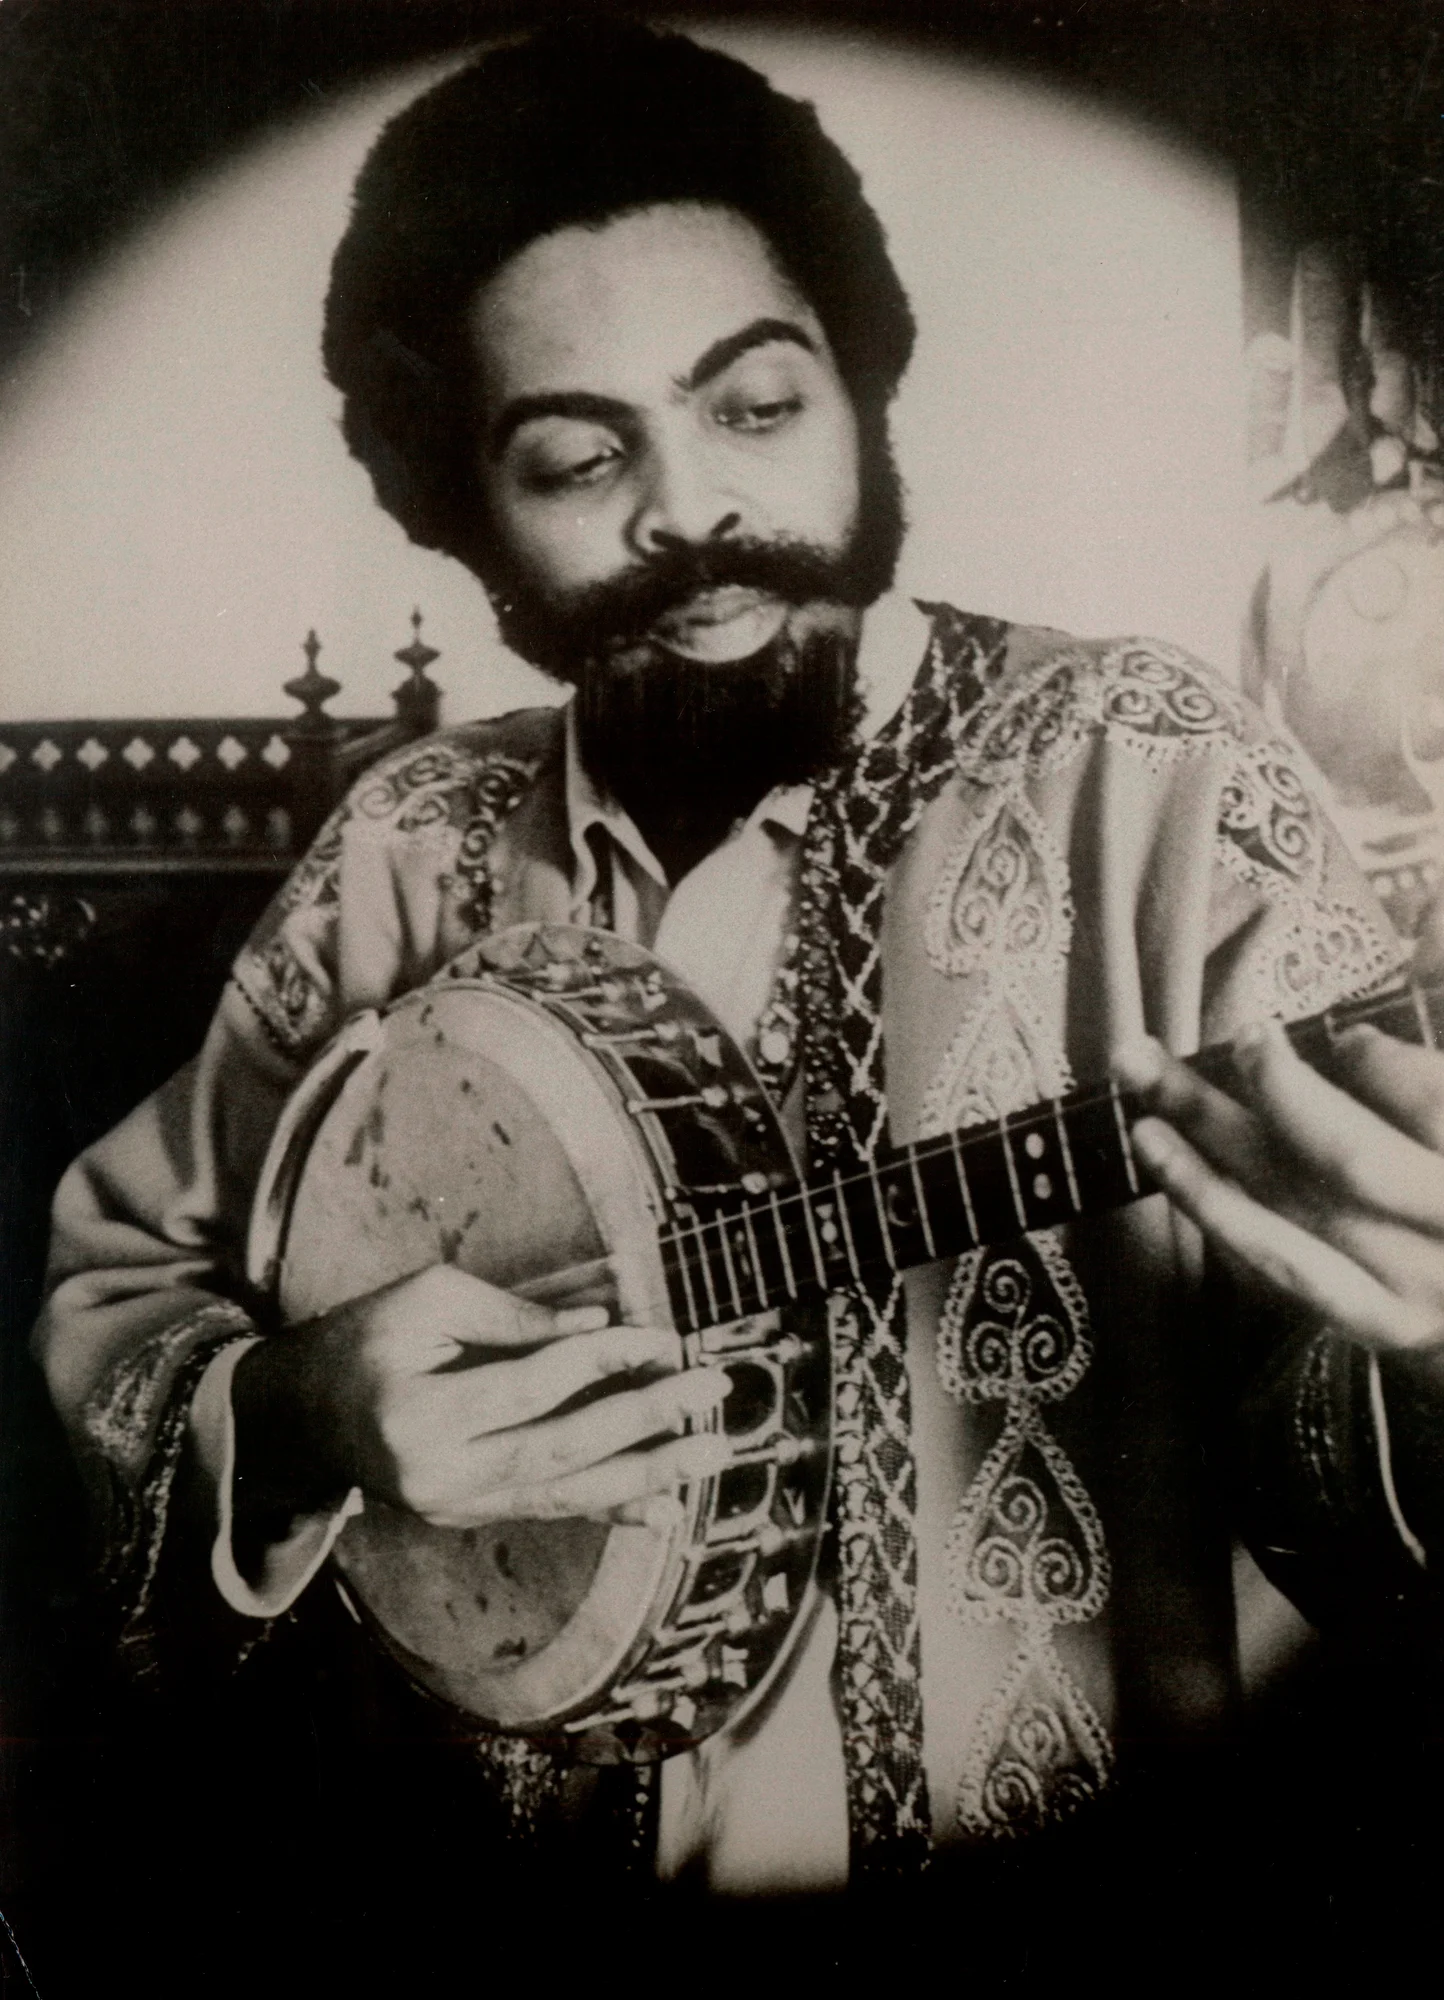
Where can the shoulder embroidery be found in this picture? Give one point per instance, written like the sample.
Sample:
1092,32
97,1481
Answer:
453,786
1269,828
1272,838
1149,698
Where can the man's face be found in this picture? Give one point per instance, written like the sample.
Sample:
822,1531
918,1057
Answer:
656,397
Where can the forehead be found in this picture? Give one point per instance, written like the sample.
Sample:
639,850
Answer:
625,309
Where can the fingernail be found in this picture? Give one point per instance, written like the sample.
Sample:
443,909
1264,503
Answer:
1138,1065
700,1388
1153,1142
1260,1042
663,1510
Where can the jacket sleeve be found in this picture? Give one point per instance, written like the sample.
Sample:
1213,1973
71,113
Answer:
1325,1440
147,1309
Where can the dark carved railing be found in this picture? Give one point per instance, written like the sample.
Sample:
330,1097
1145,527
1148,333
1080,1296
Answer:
91,807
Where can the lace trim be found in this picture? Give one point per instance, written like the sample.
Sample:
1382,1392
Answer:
138,1423
1001,917
1149,698
1026,1545
120,1418
861,816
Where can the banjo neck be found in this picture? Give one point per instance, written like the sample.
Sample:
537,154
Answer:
1066,1157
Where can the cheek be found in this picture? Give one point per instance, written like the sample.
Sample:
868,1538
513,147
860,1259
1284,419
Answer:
557,548
824,481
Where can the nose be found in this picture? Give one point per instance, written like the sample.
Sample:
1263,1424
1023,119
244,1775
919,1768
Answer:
682,506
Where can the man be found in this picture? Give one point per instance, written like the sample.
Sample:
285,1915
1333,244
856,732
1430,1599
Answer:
616,327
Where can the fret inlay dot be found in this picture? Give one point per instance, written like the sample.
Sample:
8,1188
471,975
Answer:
1042,1186
1033,1145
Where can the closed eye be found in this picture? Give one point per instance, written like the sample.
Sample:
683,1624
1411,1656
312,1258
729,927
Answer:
586,472
759,416
559,457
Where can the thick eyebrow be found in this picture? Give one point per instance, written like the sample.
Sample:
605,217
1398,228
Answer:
584,406
579,404
722,353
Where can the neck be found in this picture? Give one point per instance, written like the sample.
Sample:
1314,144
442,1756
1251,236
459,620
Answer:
683,827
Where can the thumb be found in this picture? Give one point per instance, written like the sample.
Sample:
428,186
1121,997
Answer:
454,1304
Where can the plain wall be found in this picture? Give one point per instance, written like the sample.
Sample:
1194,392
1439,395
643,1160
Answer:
177,508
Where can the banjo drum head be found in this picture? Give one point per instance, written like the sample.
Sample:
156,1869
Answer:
469,1128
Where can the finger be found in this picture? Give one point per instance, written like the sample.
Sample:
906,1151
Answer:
1337,1142
631,1483
505,1393
593,1283
656,1510
1302,1268
1402,1083
453,1304
540,1452
1219,1127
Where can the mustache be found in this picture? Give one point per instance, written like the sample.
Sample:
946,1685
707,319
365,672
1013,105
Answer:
615,613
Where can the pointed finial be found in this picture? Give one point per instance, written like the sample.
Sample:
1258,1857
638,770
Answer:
312,690
418,700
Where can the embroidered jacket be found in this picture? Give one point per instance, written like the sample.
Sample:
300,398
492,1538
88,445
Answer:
1052,847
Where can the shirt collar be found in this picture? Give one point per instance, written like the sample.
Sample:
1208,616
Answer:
890,649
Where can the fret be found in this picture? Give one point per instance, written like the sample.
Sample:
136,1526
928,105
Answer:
1012,1169
905,1235
884,1228
1046,1181
729,1266
757,1274
819,1261
963,1189
1061,1158
846,1223
1099,1160
1060,1124
714,1310
922,1204
935,1162
865,1227
789,1277
1124,1140
997,1211
679,1250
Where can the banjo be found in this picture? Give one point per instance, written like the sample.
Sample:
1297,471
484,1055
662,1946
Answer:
556,1100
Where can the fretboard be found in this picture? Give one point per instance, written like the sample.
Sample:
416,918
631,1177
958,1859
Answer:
1067,1157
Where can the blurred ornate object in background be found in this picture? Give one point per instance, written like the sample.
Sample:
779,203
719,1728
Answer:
1345,644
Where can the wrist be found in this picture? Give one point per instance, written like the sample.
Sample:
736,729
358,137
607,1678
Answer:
285,1464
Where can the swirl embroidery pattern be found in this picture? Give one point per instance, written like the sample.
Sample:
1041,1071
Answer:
1026,1545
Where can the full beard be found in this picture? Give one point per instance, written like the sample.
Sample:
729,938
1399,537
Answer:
675,739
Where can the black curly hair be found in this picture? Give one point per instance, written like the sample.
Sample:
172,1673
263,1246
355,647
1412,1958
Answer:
575,124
